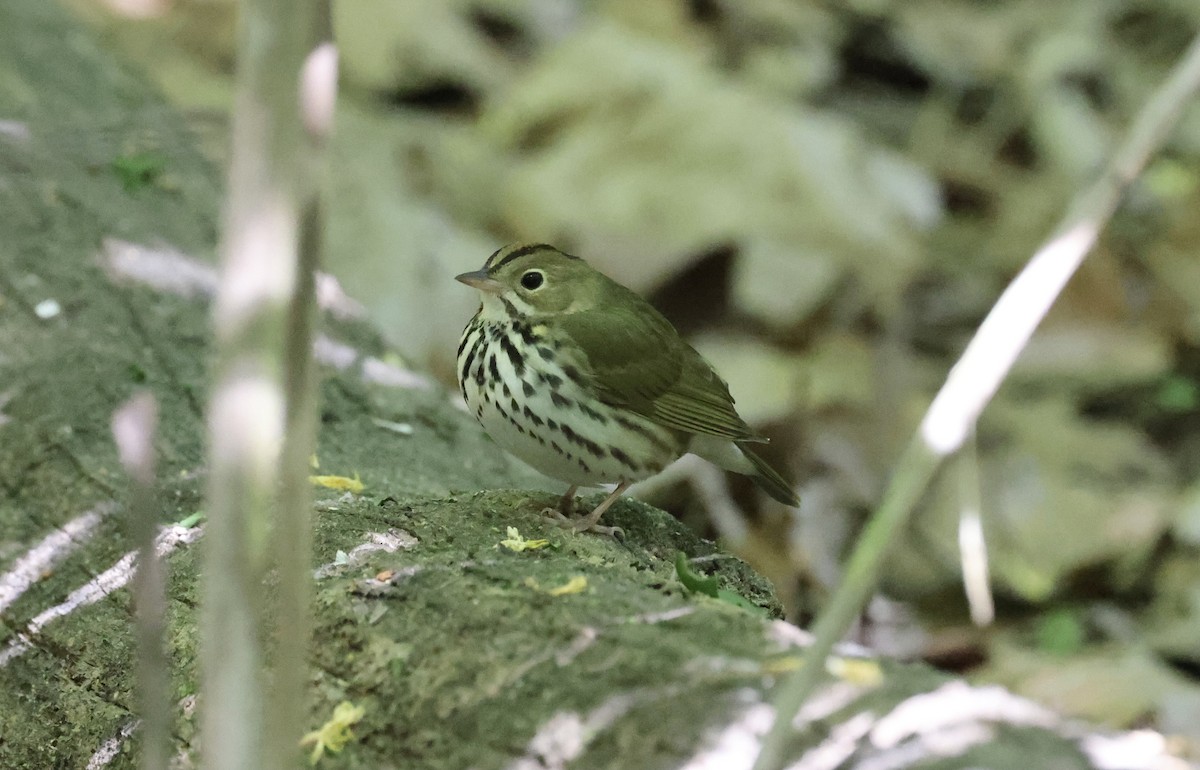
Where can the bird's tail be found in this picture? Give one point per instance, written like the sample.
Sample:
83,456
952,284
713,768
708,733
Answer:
768,479
738,457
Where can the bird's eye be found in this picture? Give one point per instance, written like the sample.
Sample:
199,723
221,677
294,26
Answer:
533,279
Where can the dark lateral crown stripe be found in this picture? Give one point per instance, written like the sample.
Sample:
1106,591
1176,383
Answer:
507,254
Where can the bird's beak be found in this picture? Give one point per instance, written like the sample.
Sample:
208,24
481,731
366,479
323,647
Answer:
479,279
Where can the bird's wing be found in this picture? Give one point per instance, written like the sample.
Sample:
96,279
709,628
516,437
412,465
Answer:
636,360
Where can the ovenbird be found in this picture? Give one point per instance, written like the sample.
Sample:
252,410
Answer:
585,381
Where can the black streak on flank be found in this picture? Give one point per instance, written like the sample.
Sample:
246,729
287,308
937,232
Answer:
622,458
533,418
594,448
559,400
553,380
546,353
643,431
591,446
593,414
492,369
527,388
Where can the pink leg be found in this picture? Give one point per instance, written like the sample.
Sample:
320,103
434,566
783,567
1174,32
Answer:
591,522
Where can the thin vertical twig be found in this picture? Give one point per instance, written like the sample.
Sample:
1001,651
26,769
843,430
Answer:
292,544
134,425
263,290
972,546
974,379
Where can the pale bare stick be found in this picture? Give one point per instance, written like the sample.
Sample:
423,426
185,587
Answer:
134,425
292,543
264,287
972,546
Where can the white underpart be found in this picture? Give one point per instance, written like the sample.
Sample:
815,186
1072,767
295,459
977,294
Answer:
722,452
493,308
566,462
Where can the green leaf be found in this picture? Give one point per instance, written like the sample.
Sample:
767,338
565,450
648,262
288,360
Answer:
193,520
1178,394
1061,632
139,169
699,584
693,581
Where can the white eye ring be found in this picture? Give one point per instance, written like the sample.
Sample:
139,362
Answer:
533,279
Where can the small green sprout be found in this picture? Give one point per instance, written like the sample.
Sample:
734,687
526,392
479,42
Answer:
699,584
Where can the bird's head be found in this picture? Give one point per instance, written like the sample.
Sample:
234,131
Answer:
532,279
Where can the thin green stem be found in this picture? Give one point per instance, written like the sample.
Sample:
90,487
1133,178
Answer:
916,467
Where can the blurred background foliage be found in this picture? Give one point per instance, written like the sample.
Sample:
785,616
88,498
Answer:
826,197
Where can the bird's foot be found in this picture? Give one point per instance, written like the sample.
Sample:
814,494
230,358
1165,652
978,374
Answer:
559,519
591,523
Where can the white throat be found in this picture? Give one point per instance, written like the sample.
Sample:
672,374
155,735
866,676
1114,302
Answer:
495,310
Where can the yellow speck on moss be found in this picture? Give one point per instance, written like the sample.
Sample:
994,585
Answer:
340,483
514,542
858,671
334,734
575,585
782,664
